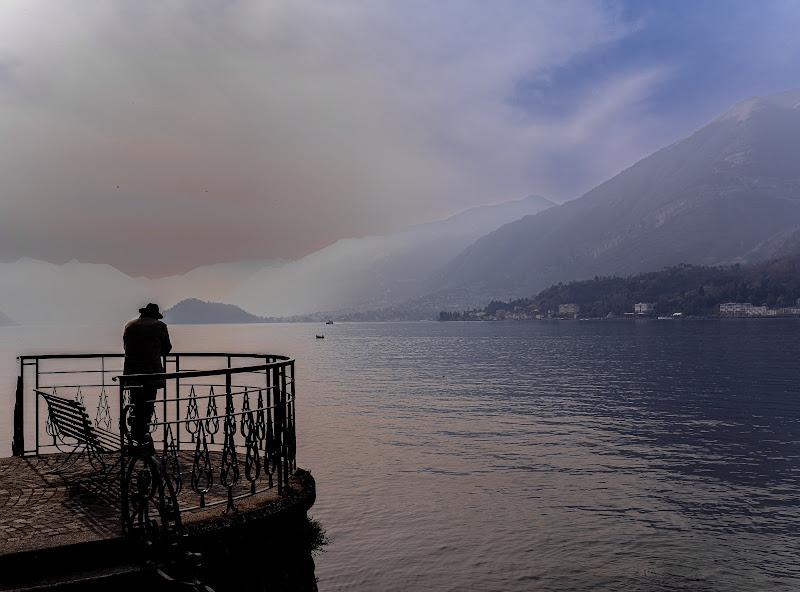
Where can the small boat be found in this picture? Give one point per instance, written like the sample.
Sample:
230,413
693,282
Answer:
320,337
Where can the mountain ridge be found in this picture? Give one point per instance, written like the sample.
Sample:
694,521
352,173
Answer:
728,192
374,271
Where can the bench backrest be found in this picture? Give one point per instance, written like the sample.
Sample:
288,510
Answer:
70,418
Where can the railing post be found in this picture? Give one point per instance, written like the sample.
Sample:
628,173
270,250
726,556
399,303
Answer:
293,427
36,404
280,421
18,444
277,424
177,402
163,403
122,484
286,424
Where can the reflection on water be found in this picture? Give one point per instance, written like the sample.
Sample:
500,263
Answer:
545,456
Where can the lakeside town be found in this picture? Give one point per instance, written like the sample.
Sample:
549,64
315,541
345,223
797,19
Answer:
521,312
767,289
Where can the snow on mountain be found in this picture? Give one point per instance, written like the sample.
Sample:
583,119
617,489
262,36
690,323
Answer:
743,110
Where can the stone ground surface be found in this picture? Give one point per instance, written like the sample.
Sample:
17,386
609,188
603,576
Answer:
41,508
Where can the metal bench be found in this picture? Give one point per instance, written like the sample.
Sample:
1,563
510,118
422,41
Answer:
70,421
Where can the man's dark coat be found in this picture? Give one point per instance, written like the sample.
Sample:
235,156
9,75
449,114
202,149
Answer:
146,340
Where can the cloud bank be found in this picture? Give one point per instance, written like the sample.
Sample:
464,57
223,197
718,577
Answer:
157,136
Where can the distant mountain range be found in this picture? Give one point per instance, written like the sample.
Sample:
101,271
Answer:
728,193
35,292
374,271
356,272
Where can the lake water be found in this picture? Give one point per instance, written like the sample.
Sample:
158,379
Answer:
628,455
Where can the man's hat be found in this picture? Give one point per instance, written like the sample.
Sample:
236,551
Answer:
151,310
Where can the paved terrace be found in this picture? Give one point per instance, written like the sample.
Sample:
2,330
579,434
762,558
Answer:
56,515
40,509
49,518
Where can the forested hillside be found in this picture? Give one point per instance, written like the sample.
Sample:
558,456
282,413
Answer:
689,289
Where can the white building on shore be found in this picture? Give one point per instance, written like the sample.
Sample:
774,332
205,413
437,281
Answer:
570,308
744,309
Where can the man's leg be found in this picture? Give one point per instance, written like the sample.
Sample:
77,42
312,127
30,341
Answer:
143,398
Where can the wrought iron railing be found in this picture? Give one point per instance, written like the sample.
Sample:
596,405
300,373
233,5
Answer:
223,429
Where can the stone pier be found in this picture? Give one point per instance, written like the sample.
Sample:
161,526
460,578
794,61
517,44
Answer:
62,531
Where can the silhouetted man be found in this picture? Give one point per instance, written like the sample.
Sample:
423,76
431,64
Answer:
146,341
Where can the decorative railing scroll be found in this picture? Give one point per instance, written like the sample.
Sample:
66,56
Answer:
238,425
151,515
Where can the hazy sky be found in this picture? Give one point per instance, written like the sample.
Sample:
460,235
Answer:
161,135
